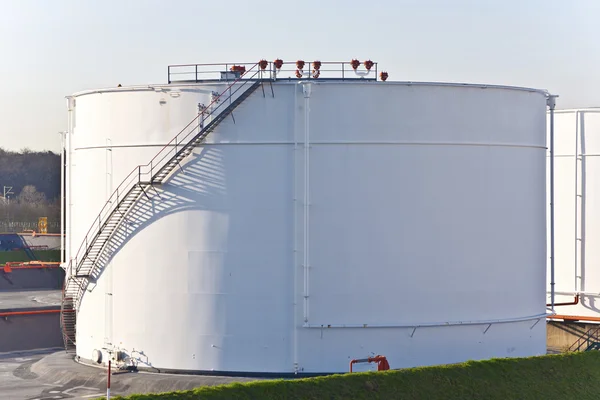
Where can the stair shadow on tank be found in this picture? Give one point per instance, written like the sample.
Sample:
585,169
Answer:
201,186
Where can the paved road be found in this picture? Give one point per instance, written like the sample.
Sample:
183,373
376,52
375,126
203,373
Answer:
53,374
30,299
17,382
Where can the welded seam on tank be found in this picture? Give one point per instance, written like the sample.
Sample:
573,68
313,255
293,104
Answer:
429,324
329,143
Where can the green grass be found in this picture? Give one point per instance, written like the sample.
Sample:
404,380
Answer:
21,255
47,255
9,256
560,377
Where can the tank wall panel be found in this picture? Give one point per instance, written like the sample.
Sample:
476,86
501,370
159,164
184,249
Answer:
426,206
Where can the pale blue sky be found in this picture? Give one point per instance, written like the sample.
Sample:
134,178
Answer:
49,49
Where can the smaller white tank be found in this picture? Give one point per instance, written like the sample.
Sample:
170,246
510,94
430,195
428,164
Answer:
577,214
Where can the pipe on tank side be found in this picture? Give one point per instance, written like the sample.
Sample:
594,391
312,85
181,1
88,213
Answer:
571,303
295,246
68,203
306,89
576,192
62,196
574,318
551,102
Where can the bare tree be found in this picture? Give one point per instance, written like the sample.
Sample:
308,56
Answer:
30,195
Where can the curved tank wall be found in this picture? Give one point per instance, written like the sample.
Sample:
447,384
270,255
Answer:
576,210
419,235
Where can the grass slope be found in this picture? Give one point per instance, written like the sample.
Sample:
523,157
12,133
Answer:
21,255
10,256
47,255
567,376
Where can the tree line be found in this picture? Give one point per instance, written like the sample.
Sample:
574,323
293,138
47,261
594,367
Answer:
31,182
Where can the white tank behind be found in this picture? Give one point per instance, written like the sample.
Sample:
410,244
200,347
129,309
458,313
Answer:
425,227
577,210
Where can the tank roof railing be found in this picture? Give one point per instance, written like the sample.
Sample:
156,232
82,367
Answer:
276,70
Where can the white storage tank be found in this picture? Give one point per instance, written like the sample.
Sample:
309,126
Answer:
325,220
576,212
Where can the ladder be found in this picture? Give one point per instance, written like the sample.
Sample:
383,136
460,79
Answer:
93,252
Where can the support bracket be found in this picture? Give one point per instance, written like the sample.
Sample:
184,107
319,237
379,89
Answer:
144,191
156,191
486,329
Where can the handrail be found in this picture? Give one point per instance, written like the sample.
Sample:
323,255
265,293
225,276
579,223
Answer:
129,181
326,70
205,116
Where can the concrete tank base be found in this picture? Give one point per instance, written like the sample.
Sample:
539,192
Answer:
61,370
561,334
30,320
32,279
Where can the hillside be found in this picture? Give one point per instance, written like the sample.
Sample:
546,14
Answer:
555,377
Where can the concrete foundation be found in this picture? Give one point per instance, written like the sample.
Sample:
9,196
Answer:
28,332
561,335
32,278
30,320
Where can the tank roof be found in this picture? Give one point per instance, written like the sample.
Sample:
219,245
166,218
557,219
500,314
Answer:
176,86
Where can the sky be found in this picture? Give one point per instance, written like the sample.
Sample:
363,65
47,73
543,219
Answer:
50,49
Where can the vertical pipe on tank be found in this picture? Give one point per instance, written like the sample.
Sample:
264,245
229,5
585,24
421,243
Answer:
108,303
295,245
576,193
306,89
69,205
62,198
551,102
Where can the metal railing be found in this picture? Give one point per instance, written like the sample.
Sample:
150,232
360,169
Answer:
20,226
223,71
144,173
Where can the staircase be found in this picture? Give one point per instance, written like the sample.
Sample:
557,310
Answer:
593,346
590,340
84,267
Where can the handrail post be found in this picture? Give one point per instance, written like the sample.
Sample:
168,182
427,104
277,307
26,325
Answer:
139,173
169,73
196,73
342,70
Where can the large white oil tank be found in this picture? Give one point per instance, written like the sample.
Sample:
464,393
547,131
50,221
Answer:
325,220
576,212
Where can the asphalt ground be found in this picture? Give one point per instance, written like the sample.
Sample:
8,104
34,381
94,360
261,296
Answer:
53,374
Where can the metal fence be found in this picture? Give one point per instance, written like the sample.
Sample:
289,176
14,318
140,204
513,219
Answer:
20,226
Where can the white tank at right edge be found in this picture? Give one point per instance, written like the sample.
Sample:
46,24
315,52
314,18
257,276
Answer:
576,213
